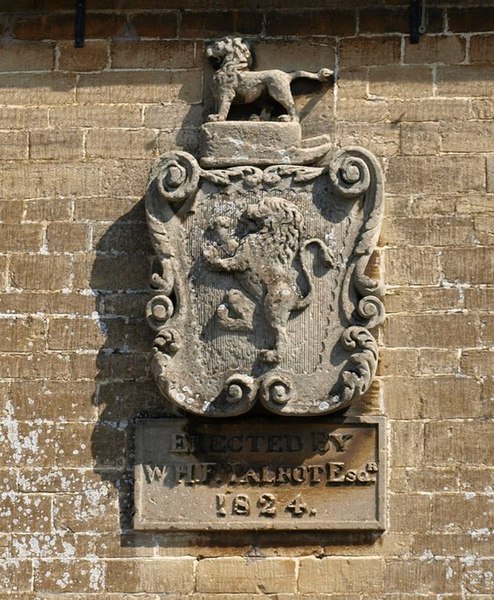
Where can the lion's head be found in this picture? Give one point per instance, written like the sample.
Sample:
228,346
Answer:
231,50
277,223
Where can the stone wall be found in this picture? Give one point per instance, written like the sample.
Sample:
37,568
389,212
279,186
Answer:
80,129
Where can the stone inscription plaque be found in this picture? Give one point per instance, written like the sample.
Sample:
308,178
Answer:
260,475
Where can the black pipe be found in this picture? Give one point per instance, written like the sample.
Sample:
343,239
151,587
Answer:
80,23
415,19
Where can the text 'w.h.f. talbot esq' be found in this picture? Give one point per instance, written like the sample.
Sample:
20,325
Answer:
260,291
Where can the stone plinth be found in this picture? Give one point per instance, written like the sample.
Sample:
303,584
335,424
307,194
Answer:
227,143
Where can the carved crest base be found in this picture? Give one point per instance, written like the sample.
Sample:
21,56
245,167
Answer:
259,143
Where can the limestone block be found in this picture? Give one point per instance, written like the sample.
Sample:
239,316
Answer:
152,54
468,265
69,576
447,49
431,330
335,574
14,145
369,51
269,575
58,144
490,174
465,80
94,57
148,87
420,139
416,576
40,56
39,271
44,88
458,442
400,81
120,143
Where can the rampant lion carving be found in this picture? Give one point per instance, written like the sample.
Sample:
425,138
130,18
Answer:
270,240
236,83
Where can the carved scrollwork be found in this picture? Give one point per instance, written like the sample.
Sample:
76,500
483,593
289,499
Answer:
361,367
158,310
177,176
168,341
240,391
277,388
371,309
162,281
355,173
349,171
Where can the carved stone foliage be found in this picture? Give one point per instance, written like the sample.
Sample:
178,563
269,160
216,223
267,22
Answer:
260,291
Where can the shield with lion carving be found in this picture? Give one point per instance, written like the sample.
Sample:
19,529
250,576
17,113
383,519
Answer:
259,285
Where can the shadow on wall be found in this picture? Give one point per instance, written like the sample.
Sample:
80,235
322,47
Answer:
124,390
119,280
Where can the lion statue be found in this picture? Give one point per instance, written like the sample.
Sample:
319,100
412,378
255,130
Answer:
271,239
234,82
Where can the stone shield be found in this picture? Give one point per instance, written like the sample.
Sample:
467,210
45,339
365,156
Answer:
259,285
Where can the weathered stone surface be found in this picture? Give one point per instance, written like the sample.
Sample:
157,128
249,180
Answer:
340,574
29,56
369,51
400,81
447,49
68,576
423,576
463,80
56,145
490,174
147,87
14,145
240,575
172,575
95,56
420,139
174,54
120,143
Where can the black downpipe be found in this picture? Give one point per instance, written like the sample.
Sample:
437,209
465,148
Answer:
80,23
415,20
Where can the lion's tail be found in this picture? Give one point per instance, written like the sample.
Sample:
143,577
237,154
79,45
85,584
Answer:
328,260
322,75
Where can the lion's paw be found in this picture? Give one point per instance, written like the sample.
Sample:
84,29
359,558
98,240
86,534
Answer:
210,254
215,117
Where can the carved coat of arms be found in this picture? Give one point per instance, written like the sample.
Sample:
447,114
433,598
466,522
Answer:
259,285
